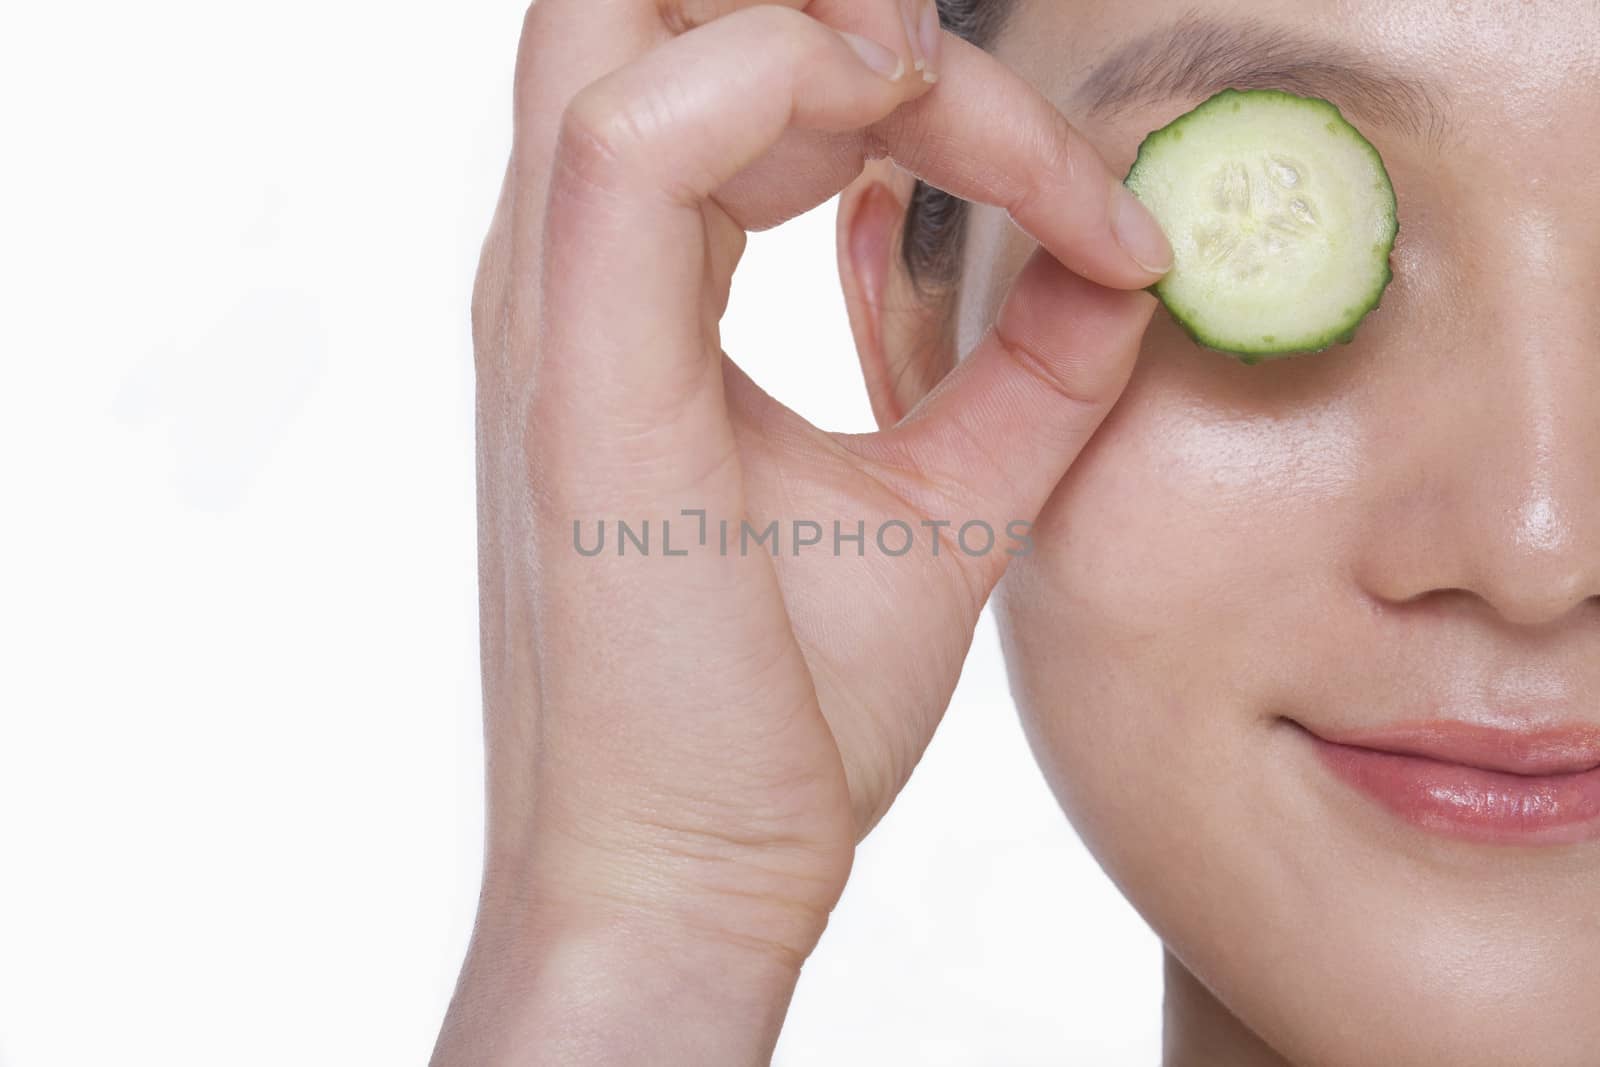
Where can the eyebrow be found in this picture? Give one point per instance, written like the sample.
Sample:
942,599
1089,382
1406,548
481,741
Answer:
1196,57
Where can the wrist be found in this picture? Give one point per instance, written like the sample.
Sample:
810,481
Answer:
599,985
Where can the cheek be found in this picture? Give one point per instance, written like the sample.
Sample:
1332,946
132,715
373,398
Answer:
1147,634
1193,577
1210,489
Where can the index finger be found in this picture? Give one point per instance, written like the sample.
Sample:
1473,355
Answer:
985,134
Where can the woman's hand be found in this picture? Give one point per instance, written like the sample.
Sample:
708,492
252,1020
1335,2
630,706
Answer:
683,751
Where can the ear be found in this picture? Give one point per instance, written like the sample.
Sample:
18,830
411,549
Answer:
901,334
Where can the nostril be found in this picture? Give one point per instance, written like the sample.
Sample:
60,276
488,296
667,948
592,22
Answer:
1542,606
1524,606
1543,589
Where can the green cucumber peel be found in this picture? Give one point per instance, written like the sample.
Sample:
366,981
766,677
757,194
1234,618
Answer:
1282,220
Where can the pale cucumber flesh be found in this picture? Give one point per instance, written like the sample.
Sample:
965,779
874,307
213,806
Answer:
1281,217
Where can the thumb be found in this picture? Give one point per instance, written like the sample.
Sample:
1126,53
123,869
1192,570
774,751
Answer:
996,436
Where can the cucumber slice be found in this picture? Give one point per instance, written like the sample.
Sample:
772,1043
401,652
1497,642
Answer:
1281,217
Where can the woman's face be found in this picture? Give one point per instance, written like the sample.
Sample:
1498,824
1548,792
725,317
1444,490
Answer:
1403,530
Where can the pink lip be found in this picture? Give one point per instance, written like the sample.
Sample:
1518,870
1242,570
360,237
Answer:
1477,782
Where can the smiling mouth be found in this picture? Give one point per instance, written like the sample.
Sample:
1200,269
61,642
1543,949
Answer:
1475,782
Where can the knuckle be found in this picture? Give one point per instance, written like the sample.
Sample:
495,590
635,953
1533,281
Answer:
597,139
673,16
536,31
530,16
535,21
1048,372
788,24
681,16
778,26
1062,152
592,135
1053,168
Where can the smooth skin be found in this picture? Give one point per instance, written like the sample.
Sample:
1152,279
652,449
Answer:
684,752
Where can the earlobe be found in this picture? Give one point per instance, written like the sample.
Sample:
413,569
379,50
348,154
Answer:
898,333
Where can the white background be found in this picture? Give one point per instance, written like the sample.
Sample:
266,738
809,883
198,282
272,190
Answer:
239,751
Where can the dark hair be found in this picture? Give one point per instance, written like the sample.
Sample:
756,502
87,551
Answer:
935,220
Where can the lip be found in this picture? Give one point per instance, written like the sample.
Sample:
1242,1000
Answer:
1481,783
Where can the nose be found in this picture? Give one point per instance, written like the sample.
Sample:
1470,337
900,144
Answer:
1489,488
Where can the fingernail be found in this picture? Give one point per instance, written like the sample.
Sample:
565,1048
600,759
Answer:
929,38
885,61
1138,232
909,19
